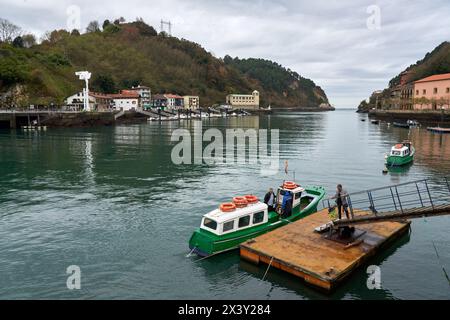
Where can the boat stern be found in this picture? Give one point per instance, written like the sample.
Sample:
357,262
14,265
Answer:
201,243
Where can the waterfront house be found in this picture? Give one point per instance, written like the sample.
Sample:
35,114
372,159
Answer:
191,102
97,101
244,101
167,101
126,100
432,93
145,95
159,101
174,101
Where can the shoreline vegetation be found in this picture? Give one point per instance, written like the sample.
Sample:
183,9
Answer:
122,54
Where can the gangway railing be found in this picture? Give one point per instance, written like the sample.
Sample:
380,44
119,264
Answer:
427,197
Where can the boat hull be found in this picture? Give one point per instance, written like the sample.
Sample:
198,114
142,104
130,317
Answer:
204,243
397,161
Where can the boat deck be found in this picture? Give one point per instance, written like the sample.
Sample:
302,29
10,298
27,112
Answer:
313,257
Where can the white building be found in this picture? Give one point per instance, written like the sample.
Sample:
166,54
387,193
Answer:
244,101
191,102
97,101
145,94
126,100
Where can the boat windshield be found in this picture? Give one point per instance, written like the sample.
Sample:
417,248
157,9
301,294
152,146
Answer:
210,224
396,153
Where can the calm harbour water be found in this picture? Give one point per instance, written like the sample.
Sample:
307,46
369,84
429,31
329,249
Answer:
109,200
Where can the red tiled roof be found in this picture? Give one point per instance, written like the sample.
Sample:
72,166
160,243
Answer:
436,77
173,96
99,95
125,94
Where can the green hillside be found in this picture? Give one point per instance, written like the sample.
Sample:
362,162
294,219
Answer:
435,62
123,55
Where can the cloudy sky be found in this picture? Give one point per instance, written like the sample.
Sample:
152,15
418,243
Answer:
348,47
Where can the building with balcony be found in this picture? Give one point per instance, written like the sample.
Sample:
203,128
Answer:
145,95
191,102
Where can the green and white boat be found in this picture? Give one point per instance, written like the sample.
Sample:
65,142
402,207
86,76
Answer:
401,154
230,225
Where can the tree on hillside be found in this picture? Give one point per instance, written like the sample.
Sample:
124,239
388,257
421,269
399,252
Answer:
8,31
56,35
93,26
144,29
18,42
112,28
104,84
75,32
29,40
120,20
106,23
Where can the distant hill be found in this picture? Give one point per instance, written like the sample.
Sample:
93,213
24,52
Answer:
435,62
123,55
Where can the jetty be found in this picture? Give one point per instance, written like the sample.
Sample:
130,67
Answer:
324,253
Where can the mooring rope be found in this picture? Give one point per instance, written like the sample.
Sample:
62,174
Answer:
190,253
440,262
267,271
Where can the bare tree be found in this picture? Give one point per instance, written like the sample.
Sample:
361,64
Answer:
93,26
8,31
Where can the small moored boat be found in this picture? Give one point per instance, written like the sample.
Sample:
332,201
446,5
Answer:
401,154
233,223
401,125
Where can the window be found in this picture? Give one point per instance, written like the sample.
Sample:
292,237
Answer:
448,90
298,195
211,224
228,226
424,91
244,222
258,217
417,92
435,90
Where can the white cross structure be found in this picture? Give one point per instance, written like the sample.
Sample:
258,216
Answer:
86,76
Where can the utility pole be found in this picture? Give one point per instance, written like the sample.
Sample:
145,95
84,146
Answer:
168,24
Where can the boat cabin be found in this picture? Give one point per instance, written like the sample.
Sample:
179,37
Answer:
294,193
221,223
402,149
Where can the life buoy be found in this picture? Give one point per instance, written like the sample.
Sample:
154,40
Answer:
227,207
240,202
290,185
398,146
251,199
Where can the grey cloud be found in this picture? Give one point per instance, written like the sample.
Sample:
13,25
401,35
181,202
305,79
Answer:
325,40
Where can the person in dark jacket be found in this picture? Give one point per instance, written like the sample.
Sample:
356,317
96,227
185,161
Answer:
287,205
270,199
341,201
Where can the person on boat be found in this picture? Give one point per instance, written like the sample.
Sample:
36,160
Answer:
287,205
270,200
341,201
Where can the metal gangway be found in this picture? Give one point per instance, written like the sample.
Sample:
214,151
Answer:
411,200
